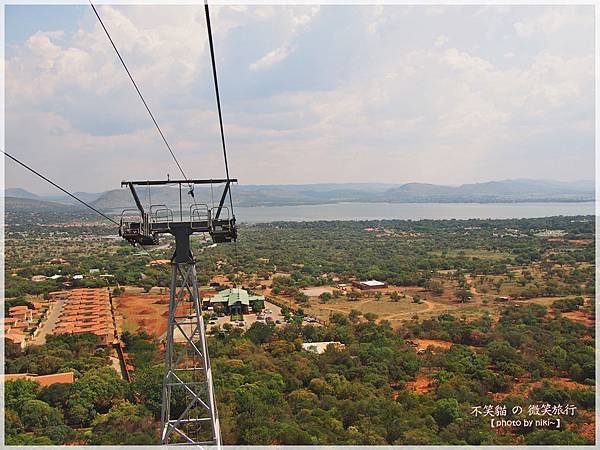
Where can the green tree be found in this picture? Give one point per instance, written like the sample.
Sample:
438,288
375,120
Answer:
12,423
56,394
436,287
463,295
259,333
60,434
125,424
354,315
325,296
28,439
301,297
18,392
36,414
555,437
446,411
95,392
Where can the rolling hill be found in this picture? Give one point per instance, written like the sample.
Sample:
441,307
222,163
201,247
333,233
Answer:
505,191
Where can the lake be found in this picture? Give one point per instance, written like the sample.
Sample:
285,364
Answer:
413,211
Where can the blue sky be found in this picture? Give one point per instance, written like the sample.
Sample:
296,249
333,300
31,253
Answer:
439,94
24,20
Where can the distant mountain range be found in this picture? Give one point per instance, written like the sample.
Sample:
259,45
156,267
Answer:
13,203
494,191
519,190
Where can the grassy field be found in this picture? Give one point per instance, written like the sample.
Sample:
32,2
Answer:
405,308
473,253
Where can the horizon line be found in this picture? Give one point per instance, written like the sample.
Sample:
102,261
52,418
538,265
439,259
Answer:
581,180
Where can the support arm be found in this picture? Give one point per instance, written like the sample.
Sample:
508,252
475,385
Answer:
136,199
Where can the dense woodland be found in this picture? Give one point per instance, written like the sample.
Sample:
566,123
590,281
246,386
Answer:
269,391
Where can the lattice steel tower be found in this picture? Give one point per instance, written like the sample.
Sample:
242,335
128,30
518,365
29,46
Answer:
189,412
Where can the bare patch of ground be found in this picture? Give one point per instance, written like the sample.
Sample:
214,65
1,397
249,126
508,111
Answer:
422,384
317,290
588,430
581,317
569,384
386,310
219,279
523,387
142,312
424,343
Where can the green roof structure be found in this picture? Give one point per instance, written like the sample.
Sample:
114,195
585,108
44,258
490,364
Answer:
235,295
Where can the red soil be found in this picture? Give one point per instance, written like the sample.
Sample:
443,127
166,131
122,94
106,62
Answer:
581,317
422,384
143,312
424,343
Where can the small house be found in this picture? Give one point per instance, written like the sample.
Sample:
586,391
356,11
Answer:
370,284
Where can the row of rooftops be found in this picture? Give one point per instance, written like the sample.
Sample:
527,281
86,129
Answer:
18,320
86,311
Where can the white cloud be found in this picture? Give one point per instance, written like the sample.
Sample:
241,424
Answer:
299,19
441,40
552,21
352,99
270,59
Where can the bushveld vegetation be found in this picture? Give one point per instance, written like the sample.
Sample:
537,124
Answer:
380,388
504,255
270,391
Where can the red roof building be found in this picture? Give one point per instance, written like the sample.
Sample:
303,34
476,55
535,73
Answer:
87,311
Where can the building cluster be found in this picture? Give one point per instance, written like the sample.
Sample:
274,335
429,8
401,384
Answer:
19,321
233,301
95,272
87,311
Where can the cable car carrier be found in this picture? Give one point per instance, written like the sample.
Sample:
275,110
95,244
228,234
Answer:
159,219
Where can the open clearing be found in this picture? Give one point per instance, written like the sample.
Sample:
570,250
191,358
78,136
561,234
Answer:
385,309
424,343
405,309
474,253
317,290
581,317
422,384
142,312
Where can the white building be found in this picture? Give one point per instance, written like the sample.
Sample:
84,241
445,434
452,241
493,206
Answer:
320,347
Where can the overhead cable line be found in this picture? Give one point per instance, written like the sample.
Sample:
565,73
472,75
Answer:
214,70
69,194
58,187
140,94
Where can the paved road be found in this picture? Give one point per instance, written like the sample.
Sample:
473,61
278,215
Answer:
48,325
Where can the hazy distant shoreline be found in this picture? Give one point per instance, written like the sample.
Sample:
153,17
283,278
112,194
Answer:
354,211
498,192
411,211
